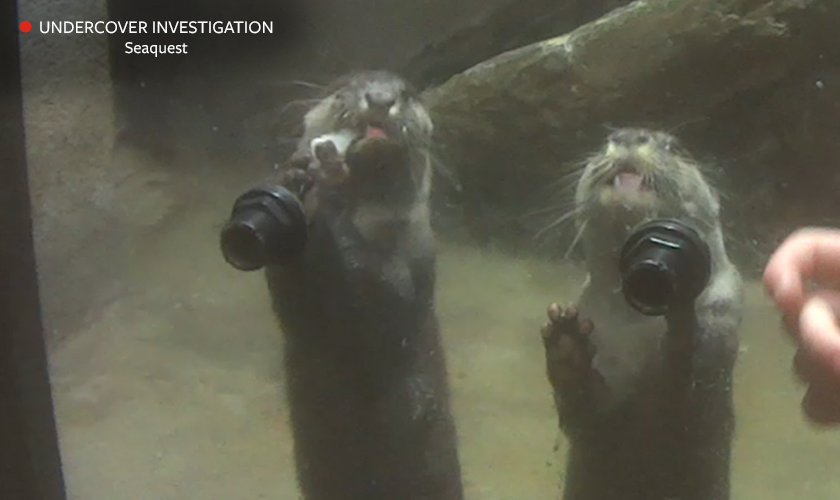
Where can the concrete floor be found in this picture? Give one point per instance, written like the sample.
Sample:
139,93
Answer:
171,391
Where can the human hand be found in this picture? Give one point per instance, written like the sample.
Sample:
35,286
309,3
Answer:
811,257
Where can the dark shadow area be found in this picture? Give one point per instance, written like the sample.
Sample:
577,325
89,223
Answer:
218,71
30,466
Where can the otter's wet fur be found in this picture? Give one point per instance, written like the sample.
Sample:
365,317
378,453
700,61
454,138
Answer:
364,362
645,402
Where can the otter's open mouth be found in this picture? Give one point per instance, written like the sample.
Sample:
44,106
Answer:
378,127
628,180
376,132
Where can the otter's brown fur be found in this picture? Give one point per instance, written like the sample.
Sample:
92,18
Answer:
364,362
645,402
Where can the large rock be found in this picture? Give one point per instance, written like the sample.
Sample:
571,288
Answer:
522,119
508,26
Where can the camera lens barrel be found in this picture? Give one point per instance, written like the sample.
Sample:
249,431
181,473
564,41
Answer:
663,264
267,226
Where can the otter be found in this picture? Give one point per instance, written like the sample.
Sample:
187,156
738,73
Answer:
365,369
645,402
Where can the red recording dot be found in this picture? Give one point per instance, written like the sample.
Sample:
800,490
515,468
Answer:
25,26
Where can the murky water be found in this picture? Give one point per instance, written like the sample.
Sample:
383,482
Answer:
172,391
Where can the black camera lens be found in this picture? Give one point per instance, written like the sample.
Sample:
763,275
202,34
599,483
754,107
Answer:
664,263
267,226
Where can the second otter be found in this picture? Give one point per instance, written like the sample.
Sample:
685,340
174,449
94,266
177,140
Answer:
644,422
364,362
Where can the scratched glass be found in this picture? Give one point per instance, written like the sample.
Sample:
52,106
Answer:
263,280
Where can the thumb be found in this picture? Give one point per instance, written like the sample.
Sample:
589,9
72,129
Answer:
819,332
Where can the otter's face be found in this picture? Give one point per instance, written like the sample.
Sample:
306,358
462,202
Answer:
644,173
372,103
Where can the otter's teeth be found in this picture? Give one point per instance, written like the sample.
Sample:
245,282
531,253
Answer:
628,181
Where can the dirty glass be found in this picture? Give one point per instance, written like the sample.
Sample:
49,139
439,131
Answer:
557,127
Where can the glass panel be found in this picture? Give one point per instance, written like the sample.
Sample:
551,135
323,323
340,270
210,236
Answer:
559,128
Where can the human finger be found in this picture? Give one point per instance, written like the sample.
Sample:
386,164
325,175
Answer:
809,254
819,333
821,404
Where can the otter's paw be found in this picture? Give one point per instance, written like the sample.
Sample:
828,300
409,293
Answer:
297,180
568,350
330,166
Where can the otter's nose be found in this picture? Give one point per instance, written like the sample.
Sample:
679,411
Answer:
380,99
630,138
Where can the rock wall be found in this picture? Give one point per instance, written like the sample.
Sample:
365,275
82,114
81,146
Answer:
84,193
750,87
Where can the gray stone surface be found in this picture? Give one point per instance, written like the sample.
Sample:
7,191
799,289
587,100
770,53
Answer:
519,121
507,26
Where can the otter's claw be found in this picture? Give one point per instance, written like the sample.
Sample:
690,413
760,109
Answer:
568,350
297,180
330,165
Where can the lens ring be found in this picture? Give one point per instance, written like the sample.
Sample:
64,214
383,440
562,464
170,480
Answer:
663,262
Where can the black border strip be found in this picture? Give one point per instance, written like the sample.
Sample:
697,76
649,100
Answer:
30,463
